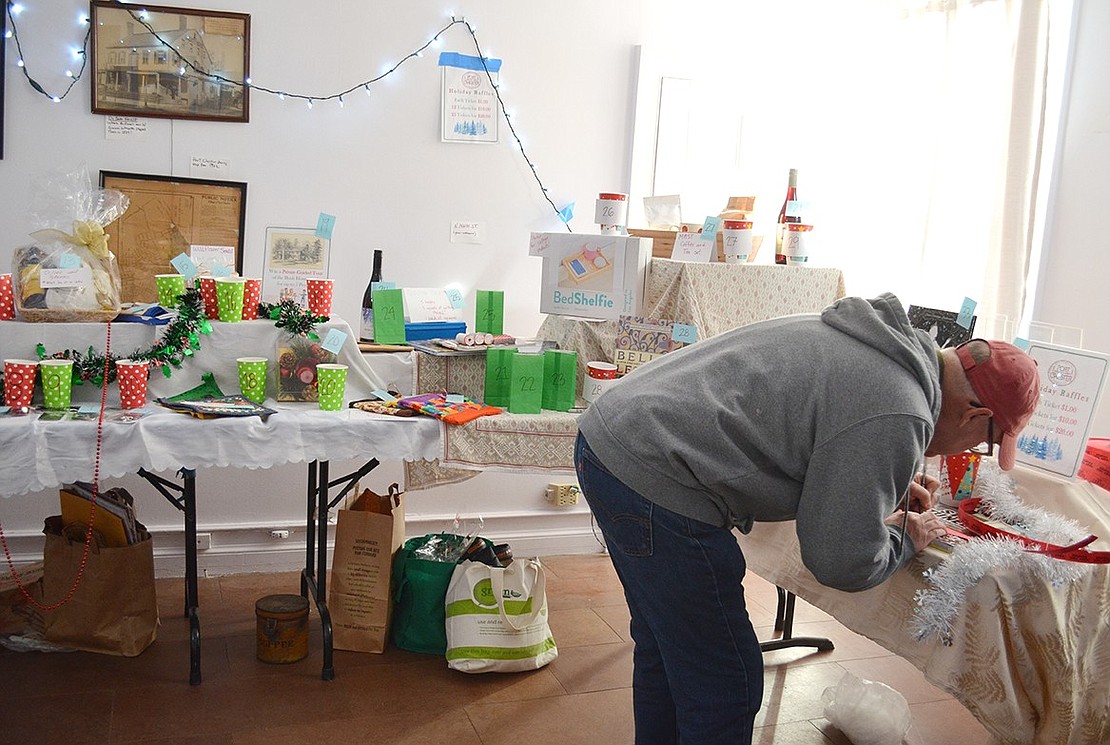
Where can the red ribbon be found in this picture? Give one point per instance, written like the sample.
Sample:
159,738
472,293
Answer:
1075,552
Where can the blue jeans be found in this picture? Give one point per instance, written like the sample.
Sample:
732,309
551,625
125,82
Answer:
698,670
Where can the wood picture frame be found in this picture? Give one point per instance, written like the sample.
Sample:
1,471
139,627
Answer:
168,216
174,63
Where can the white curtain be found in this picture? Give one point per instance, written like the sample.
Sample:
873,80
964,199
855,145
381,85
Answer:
918,128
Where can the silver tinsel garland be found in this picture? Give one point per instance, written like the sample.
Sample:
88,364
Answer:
969,562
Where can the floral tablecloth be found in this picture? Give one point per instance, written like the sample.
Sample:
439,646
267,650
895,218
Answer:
1029,659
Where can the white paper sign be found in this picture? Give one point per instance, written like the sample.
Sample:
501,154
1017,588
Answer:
692,247
80,276
213,259
217,168
125,128
468,232
426,304
1072,381
538,243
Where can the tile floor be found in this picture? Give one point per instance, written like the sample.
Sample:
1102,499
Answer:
400,698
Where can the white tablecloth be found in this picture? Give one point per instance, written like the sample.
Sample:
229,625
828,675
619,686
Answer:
37,455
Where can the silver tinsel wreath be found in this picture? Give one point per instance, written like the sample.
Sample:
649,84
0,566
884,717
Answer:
969,562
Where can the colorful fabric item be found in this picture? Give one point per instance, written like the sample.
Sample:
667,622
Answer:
453,412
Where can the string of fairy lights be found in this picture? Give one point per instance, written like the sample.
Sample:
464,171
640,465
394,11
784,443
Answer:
142,17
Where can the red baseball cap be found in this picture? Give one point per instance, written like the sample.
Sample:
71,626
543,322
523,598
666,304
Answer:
1008,384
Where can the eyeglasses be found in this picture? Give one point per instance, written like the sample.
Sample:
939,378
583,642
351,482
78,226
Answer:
989,450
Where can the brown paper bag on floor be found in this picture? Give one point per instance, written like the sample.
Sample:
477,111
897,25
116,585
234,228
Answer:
114,609
367,535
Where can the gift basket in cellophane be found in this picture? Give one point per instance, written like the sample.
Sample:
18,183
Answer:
68,274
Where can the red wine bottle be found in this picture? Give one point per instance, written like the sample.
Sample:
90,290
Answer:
366,324
780,228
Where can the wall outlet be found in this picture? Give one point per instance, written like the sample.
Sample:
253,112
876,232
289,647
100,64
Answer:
562,495
279,533
204,541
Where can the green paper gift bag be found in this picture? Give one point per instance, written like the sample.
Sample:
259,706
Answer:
526,394
560,371
489,312
389,317
498,376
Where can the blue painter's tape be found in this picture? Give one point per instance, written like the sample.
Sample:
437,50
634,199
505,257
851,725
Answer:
468,62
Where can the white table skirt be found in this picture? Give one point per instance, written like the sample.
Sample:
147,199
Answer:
36,455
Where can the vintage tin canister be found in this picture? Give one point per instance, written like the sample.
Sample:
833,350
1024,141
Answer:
282,628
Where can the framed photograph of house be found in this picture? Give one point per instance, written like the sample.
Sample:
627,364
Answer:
169,216
292,256
173,63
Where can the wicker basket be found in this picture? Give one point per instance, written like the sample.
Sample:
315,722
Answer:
64,315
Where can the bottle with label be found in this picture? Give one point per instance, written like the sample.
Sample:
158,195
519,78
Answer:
366,324
784,219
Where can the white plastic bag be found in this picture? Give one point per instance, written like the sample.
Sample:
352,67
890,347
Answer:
867,712
497,618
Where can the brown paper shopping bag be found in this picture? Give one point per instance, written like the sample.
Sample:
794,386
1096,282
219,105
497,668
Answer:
367,535
114,609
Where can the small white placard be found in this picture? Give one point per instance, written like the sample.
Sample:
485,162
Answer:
124,128
468,232
1072,381
202,167
219,261
427,304
538,243
692,247
334,341
80,276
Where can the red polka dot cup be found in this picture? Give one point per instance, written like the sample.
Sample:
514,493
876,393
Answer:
132,376
207,286
7,299
252,296
19,382
319,295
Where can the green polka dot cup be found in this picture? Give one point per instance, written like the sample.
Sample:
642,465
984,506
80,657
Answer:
252,378
331,382
229,298
170,288
57,383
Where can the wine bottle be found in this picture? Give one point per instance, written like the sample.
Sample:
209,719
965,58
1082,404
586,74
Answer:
366,324
780,228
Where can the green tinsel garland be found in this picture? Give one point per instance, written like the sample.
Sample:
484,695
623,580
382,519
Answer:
291,317
179,341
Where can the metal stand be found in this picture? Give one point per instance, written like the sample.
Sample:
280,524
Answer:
314,578
784,623
187,503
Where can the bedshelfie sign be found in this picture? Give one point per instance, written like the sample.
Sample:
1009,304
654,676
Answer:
1072,381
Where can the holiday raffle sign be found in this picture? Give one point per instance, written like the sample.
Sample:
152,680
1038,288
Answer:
469,99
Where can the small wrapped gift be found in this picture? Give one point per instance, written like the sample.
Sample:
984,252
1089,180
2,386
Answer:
297,357
68,273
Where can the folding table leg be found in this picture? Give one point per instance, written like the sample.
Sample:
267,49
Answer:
186,502
784,622
314,578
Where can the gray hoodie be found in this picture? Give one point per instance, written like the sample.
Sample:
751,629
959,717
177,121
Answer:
822,419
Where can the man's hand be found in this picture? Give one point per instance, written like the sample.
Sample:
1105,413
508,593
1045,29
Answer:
923,493
923,528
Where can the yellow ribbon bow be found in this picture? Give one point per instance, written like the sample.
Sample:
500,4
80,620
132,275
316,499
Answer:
88,233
